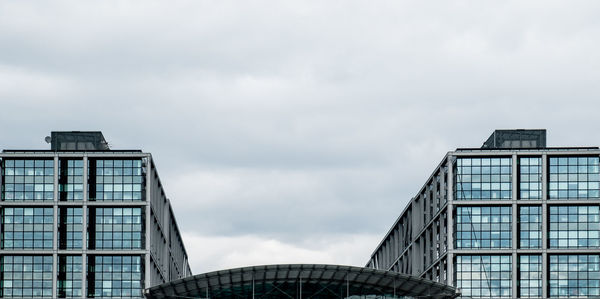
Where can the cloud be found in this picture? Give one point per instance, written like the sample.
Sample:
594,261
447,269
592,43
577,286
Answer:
30,87
214,253
290,123
290,205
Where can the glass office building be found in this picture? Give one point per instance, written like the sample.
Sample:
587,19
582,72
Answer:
512,219
84,221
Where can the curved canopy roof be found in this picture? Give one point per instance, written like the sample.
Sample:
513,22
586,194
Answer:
300,281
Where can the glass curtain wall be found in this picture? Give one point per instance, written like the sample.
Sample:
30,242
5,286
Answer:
574,227
27,228
574,177
530,276
115,276
26,276
574,276
483,227
484,276
27,180
483,179
116,180
530,178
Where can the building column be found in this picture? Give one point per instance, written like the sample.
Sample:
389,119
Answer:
545,269
55,230
450,223
84,227
545,217
148,221
515,263
515,223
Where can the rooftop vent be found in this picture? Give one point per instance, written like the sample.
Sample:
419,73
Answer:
519,138
78,141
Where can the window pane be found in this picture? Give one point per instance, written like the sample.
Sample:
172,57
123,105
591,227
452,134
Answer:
574,227
484,276
574,178
116,180
574,276
483,227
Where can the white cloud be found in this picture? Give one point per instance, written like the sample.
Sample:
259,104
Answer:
287,204
281,124
31,87
213,253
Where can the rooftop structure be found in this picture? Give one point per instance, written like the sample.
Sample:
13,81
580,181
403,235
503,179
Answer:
301,281
516,139
77,140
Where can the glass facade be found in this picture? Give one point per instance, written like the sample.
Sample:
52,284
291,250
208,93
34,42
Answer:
115,276
483,227
119,180
530,276
574,177
484,276
73,224
569,226
530,178
27,180
27,228
574,276
70,180
512,198
117,228
530,227
70,228
26,276
70,275
574,227
483,179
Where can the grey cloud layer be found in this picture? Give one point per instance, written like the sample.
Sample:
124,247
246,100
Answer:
288,122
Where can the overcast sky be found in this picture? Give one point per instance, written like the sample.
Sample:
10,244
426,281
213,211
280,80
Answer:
296,131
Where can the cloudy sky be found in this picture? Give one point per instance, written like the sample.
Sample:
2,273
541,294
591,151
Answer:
296,131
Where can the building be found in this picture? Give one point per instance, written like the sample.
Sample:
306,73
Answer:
82,220
512,219
302,281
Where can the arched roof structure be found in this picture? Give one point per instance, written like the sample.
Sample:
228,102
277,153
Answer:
300,281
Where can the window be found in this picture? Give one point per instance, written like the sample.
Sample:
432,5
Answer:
574,227
574,275
70,230
483,227
530,276
115,276
119,180
70,180
27,180
484,276
26,276
27,228
530,225
574,177
530,178
117,228
483,178
70,273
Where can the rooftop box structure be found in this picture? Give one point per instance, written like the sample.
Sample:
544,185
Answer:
78,141
516,139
